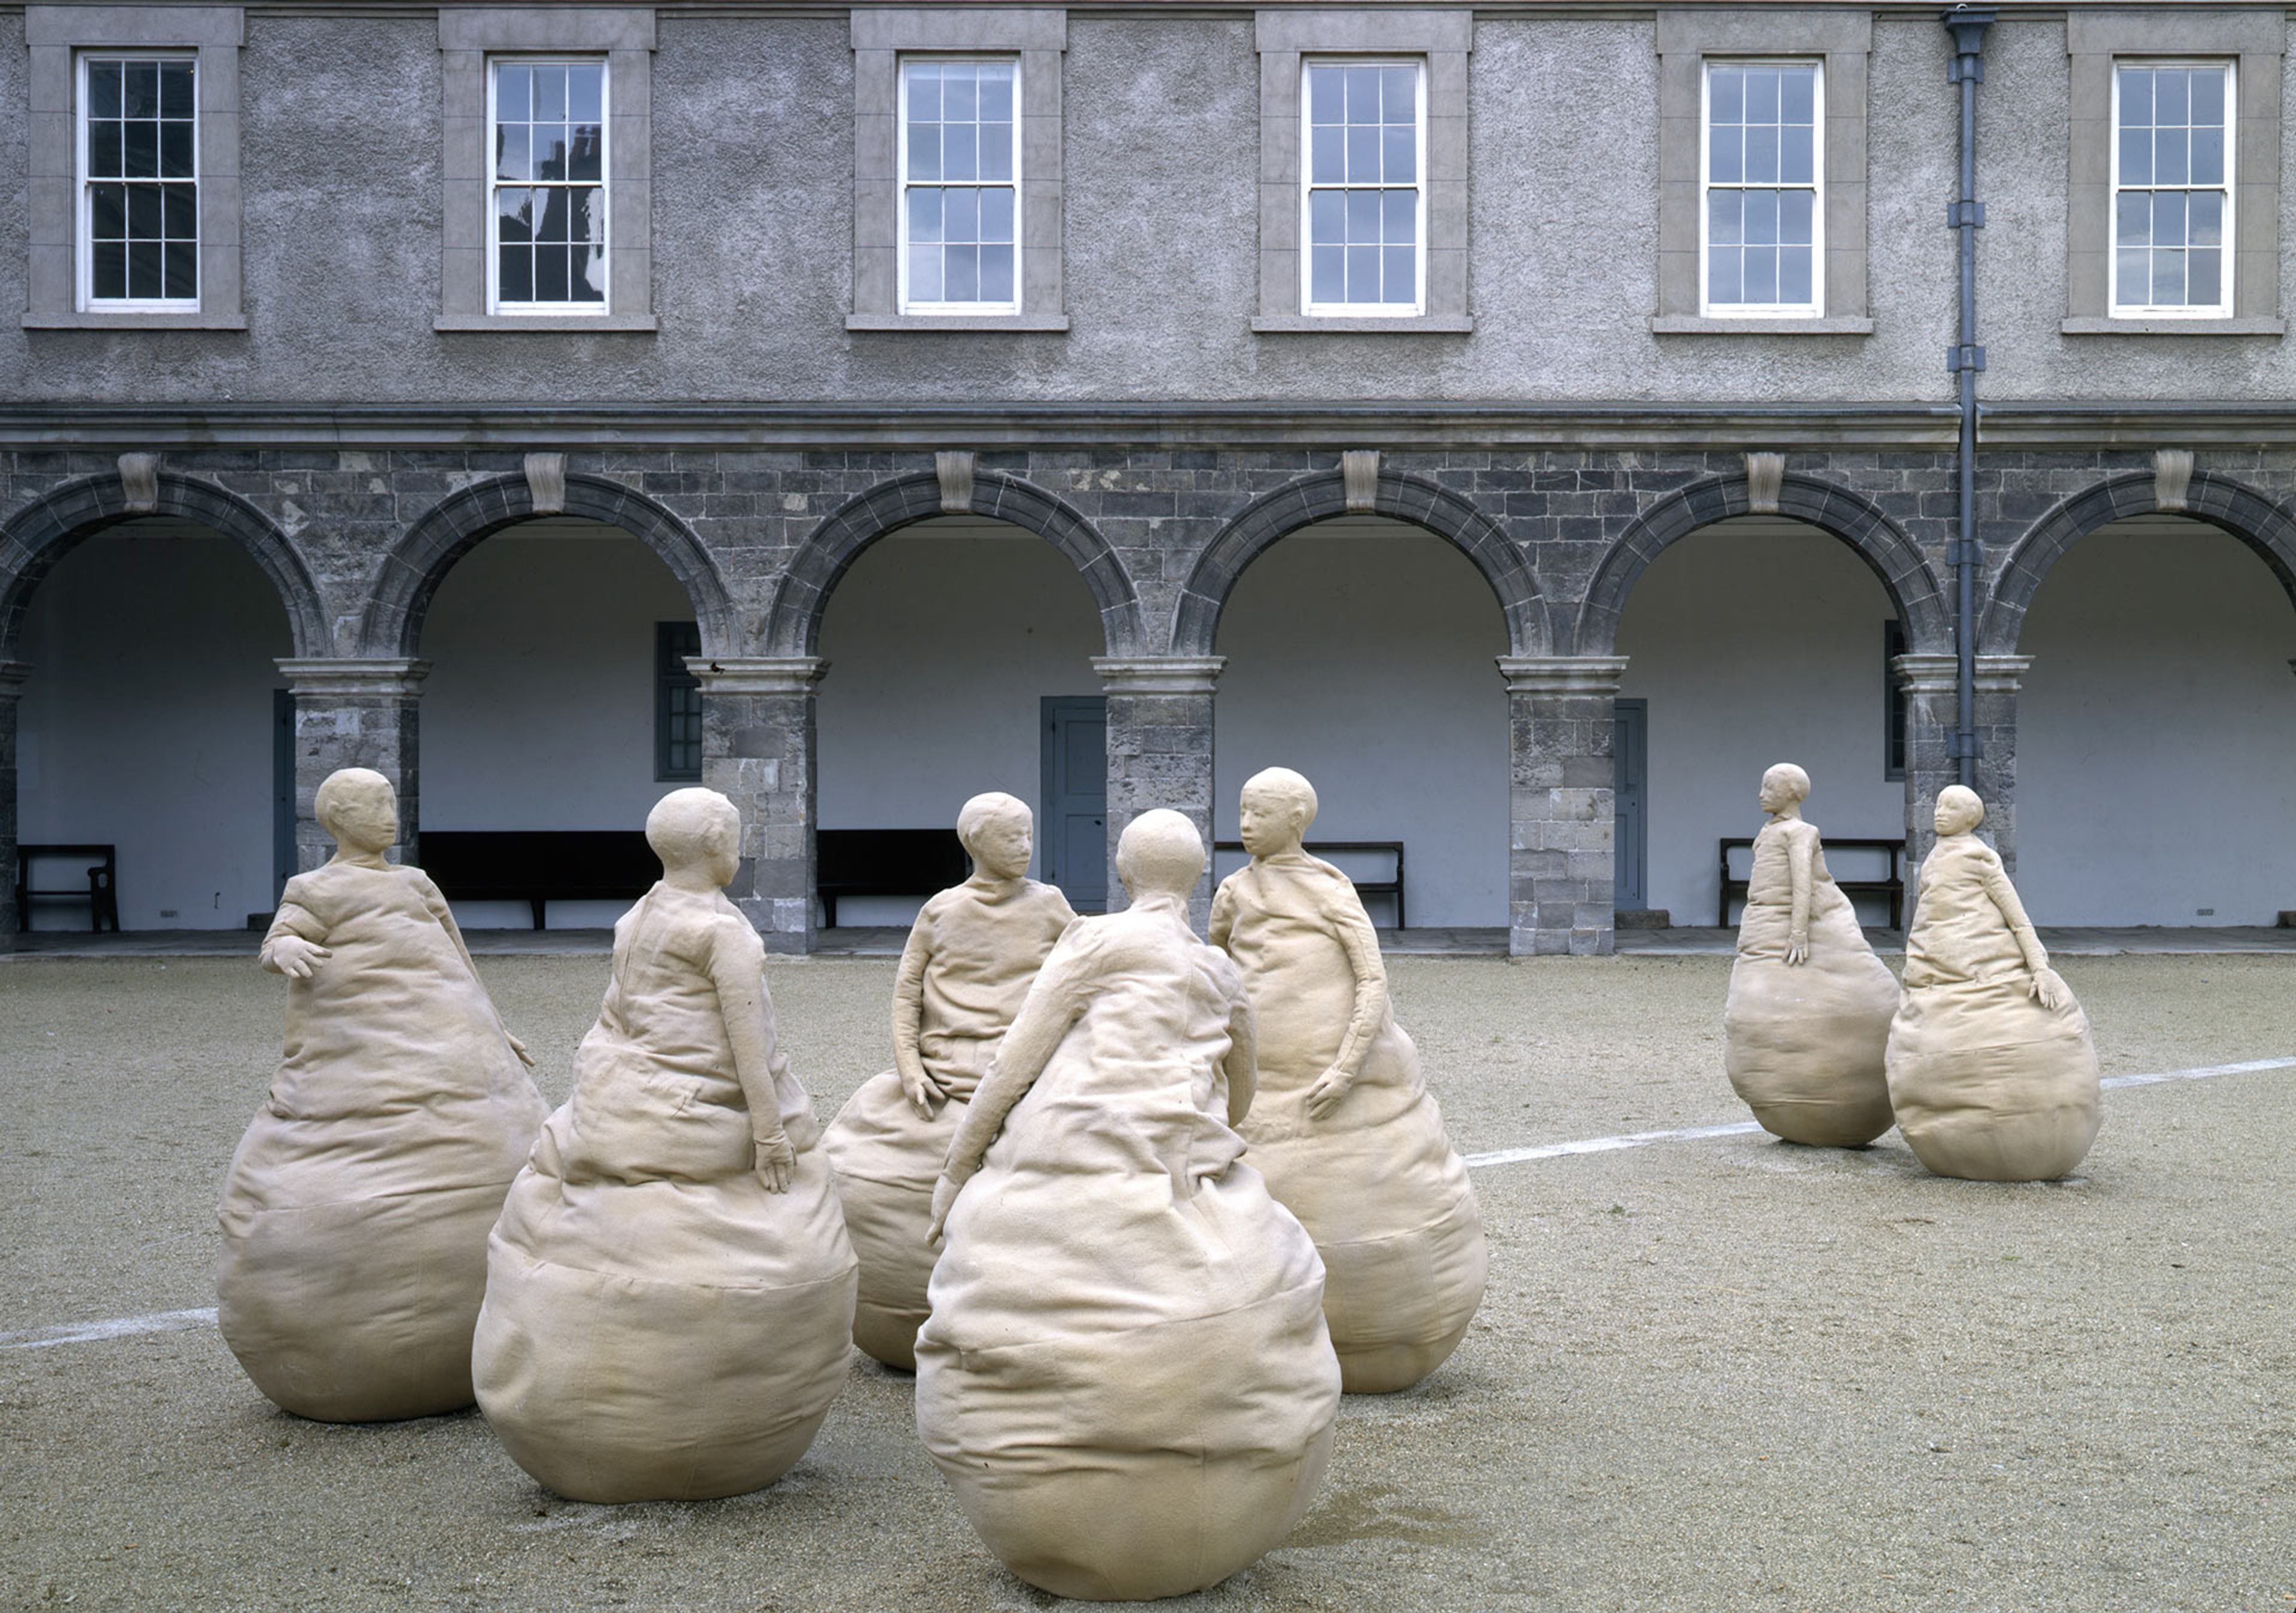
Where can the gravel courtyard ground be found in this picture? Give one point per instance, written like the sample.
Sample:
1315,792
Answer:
1720,1373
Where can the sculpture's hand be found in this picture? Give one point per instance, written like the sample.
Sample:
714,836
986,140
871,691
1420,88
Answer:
924,1096
519,1048
944,1193
776,1162
294,957
1324,1095
2049,991
959,1086
1798,950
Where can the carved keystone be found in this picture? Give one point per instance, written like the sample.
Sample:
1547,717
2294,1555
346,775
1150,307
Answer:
1765,475
1359,479
545,482
954,468
2172,477
139,481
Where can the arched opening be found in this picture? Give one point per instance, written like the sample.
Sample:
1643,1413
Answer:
960,661
1361,652
1754,640
557,700
155,720
2156,731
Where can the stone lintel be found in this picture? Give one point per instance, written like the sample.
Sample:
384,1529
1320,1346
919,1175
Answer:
1359,479
1765,475
347,676
545,482
954,469
1158,674
139,482
1562,675
758,673
2172,478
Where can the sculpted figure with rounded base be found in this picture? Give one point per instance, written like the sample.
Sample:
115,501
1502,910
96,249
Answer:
355,1211
972,954
669,1290
1344,1126
1125,1377
1807,1018
1991,1067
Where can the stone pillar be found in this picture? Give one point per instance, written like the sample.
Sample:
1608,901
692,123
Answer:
1932,685
758,748
12,675
1561,711
355,712
1160,751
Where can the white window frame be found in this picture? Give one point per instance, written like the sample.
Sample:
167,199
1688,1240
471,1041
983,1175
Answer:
1417,307
83,221
2227,250
904,304
1815,307
603,303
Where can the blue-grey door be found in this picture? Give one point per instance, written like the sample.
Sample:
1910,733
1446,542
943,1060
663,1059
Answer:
283,789
1072,831
1629,747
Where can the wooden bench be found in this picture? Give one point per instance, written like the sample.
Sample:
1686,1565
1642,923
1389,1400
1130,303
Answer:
101,890
1329,849
1893,886
885,862
539,866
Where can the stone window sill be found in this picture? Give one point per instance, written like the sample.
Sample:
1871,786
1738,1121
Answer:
2245,325
135,322
1694,324
956,322
1310,324
559,322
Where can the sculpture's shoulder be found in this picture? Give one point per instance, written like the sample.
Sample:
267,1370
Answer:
728,934
1048,904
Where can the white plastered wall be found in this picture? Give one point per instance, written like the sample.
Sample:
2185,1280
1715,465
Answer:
1757,640
1361,652
942,641
538,711
147,724
2156,759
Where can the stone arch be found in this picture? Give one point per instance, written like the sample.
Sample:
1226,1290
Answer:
34,538
2222,502
792,625
1905,573
453,526
1276,515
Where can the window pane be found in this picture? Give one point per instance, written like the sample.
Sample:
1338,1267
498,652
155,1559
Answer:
1726,93
1725,153
2207,218
2208,98
511,160
1398,96
924,214
1399,274
1794,210
1363,273
2135,157
143,276
514,92
1723,281
960,215
144,219
1399,217
997,215
1797,163
1761,217
2133,268
550,273
176,151
517,273
924,151
1726,213
589,210
2171,160
1762,95
1762,156
959,154
513,219
142,156
2132,218
2135,97
141,89
1328,159
1328,278
1363,154
924,92
1327,214
1363,94
1399,163
1793,275
1798,95
103,89
180,210
2205,269
586,89
924,272
588,159
108,268
176,98
549,95
997,151
961,267
2171,96
1363,217
550,151
107,212
2168,278
589,274
182,273
997,95
1326,92
996,273
2207,156
1761,274
960,96
2167,219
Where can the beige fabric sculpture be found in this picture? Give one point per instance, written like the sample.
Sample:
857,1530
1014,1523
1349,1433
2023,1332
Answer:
1125,1376
355,1215
1808,1019
1343,1127
972,954
1991,1067
669,1291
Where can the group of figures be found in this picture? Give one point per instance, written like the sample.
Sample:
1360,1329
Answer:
1982,1059
1135,1209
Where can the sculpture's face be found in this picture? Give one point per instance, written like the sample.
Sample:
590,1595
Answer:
724,859
1957,812
1776,795
1002,847
364,820
1267,821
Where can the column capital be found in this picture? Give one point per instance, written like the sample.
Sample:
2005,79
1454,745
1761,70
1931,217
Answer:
351,676
757,674
1941,673
1555,674
12,675
1158,674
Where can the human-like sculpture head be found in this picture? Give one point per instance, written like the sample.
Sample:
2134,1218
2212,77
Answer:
1958,810
697,833
359,807
999,834
1784,786
1276,807
1160,853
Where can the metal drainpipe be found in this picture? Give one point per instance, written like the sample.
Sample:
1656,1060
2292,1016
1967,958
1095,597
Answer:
1966,216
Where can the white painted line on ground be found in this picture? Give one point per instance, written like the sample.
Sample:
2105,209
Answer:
171,1322
90,1333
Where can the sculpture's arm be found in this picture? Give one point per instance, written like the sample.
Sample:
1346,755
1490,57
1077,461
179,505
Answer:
1352,928
1242,1065
1223,923
2048,988
1053,1004
1802,866
293,945
735,971
923,1092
